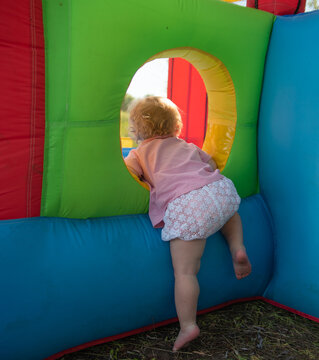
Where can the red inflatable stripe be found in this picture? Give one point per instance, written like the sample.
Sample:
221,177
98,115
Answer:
170,321
282,7
187,90
22,109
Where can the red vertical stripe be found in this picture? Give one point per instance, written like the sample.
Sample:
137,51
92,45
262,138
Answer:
22,108
187,90
180,85
189,96
197,109
170,78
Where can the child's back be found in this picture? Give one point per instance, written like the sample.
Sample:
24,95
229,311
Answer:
172,168
189,198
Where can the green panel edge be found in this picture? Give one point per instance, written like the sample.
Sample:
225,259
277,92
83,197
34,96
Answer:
80,93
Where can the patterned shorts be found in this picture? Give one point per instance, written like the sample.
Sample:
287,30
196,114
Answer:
201,212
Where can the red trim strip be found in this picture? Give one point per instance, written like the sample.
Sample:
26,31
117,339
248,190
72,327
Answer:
170,321
287,308
143,329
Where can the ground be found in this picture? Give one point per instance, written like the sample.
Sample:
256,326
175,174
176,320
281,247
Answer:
246,331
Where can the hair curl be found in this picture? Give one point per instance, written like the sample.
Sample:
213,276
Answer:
154,116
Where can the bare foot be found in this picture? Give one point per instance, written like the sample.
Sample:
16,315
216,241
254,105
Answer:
241,263
185,336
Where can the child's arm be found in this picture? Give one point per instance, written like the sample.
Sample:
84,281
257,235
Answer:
212,164
207,158
133,164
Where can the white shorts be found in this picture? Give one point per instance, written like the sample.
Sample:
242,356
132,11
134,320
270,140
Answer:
201,212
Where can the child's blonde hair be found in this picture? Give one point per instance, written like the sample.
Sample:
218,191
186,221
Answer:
154,116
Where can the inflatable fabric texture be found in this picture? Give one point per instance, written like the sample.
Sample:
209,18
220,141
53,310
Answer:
93,50
222,115
288,159
22,113
282,7
185,87
76,281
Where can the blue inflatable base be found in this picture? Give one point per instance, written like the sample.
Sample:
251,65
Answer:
69,282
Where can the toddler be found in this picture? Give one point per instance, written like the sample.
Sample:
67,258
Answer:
189,199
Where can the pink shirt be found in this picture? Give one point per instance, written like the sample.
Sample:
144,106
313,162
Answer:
171,167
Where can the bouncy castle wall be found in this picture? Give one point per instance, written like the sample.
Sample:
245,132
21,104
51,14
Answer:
187,90
289,159
69,284
21,108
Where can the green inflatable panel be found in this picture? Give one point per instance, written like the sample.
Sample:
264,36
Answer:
93,49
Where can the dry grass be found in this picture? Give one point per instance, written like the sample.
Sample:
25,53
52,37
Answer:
247,331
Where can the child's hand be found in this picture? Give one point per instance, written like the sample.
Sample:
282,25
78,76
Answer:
212,164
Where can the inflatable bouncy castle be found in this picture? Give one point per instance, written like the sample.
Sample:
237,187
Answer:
80,263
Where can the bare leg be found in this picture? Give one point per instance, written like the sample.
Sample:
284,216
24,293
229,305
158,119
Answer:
233,232
186,256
